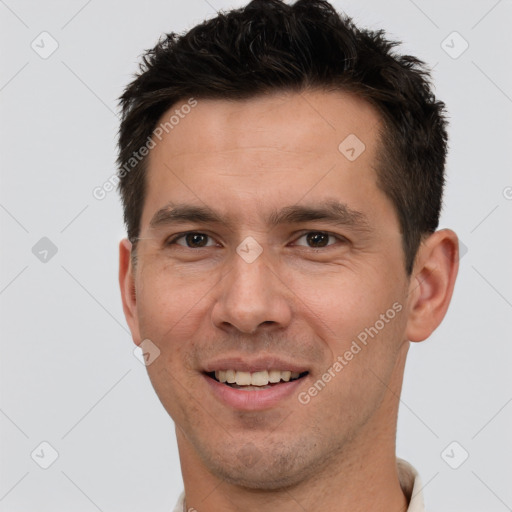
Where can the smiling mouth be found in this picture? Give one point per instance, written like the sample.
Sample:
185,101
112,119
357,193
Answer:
254,381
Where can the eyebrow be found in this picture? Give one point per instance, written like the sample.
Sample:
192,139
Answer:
181,213
332,211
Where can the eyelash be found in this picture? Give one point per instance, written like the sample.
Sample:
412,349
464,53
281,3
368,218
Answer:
175,238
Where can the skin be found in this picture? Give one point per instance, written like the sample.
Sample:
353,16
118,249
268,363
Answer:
246,159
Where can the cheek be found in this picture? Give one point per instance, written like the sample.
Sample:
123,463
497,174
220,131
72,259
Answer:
359,317
171,310
342,302
172,304
362,354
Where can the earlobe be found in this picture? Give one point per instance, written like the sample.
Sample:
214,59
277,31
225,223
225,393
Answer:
432,284
127,287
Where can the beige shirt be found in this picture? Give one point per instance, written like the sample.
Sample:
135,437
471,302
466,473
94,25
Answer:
409,480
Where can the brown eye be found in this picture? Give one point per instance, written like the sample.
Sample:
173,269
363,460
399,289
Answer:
196,239
316,239
193,240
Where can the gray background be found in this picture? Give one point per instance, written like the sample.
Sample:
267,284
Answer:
68,373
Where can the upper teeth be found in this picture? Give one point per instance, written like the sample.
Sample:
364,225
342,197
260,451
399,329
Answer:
255,378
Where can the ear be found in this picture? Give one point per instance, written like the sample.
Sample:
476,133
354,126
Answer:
127,286
432,283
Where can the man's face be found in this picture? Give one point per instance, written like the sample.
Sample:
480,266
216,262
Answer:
213,302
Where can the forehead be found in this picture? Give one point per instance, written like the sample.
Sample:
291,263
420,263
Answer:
265,151
309,120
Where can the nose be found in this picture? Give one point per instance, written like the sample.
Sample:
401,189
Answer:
252,296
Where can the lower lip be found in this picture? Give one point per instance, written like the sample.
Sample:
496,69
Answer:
253,400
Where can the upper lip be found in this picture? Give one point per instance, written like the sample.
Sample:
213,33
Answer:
243,364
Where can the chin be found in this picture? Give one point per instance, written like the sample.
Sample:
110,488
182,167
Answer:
261,468
264,478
